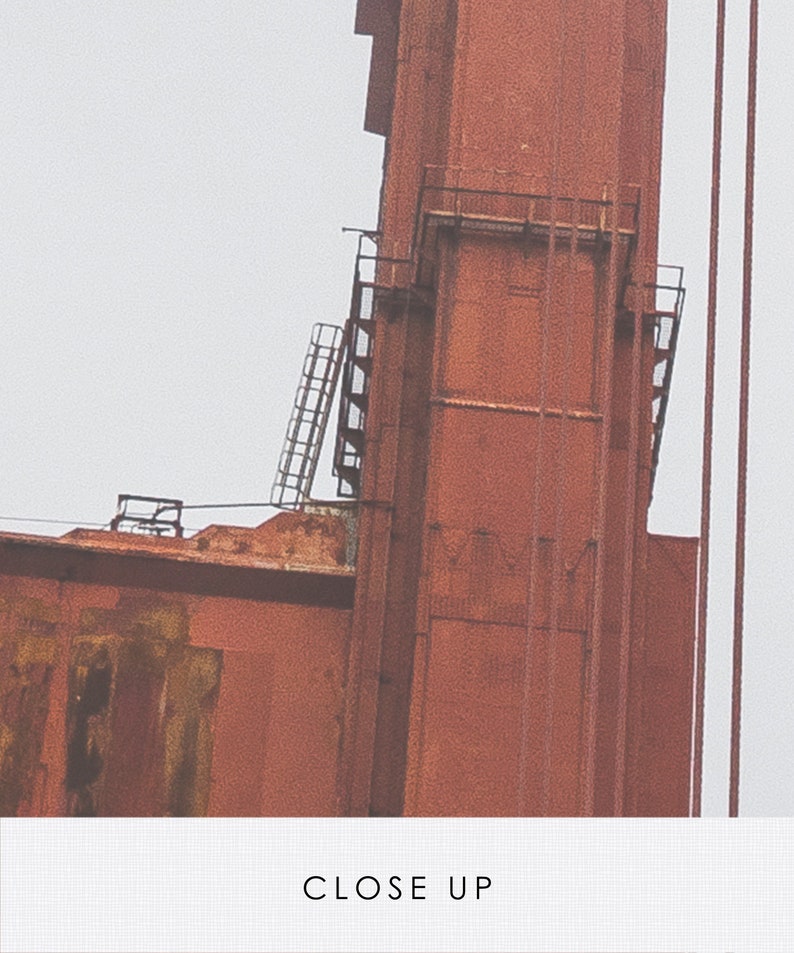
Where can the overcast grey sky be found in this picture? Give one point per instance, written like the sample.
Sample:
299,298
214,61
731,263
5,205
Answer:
176,176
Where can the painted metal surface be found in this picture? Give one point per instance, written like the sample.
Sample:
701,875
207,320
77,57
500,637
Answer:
506,573
188,698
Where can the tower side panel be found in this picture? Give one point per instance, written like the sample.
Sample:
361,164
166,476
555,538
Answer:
508,556
663,771
471,746
538,93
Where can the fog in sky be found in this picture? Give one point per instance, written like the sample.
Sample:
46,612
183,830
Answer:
176,177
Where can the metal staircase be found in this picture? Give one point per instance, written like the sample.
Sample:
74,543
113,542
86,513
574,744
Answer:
670,295
354,401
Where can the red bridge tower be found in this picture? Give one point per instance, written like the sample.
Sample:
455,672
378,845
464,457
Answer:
521,644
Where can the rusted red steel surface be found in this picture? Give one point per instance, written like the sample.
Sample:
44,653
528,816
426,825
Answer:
662,769
148,677
504,582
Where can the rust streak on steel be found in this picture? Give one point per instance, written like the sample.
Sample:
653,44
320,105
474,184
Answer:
744,410
708,415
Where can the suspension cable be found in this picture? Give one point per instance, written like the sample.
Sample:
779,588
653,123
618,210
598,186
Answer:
744,409
708,415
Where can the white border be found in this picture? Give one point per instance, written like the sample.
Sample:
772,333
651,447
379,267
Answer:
236,886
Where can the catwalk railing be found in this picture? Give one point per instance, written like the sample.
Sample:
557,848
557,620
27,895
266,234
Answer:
488,202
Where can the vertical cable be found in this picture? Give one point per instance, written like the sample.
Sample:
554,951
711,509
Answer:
530,640
629,530
708,416
744,408
629,538
605,374
561,464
